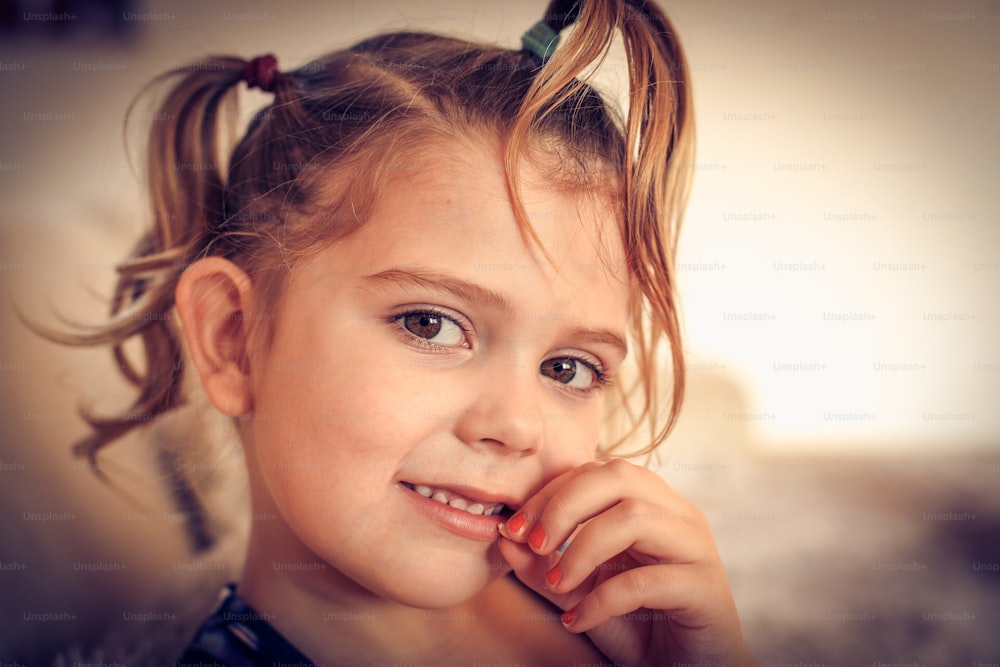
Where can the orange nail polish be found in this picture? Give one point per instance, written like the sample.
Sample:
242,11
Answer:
515,524
569,618
537,537
554,575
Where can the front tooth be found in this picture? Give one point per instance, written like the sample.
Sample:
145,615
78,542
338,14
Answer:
440,497
475,508
459,503
423,490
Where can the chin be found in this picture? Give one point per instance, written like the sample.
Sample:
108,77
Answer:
441,580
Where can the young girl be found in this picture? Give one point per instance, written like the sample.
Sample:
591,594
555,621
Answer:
413,284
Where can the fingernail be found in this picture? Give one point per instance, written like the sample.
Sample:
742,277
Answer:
553,576
515,524
537,537
569,618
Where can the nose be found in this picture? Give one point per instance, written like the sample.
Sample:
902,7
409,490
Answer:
504,409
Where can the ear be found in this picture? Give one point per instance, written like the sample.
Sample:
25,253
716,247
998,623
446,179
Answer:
212,296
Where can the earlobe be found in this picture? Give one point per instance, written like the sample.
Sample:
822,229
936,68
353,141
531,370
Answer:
212,296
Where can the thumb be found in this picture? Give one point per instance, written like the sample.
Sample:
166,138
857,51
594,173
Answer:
530,569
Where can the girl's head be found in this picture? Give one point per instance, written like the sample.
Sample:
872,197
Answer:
419,266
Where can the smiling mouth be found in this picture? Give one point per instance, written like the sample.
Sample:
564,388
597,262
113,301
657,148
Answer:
458,501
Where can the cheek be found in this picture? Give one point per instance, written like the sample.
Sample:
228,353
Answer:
571,433
328,456
590,431
343,404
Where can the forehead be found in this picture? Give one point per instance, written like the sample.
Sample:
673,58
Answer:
447,208
567,225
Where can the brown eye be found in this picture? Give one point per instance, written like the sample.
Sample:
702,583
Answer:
561,370
433,328
424,325
569,371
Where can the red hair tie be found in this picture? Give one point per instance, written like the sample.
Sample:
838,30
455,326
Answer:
261,72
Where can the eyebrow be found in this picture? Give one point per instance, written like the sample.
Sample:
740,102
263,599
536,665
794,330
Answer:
601,337
468,292
481,296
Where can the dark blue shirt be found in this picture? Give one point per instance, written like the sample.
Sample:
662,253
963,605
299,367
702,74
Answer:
236,635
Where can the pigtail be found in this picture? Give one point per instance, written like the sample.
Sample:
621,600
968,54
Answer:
187,189
658,150
184,170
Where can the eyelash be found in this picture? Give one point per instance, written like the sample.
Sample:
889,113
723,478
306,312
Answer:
602,378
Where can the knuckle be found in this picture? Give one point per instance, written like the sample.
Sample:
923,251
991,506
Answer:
557,512
634,511
697,517
618,468
604,597
635,583
619,591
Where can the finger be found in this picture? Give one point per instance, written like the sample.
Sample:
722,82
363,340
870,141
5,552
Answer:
518,526
530,569
593,491
693,595
643,530
527,565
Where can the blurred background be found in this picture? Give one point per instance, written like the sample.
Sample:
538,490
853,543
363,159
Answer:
840,269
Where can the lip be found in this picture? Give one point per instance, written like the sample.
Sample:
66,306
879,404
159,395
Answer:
472,526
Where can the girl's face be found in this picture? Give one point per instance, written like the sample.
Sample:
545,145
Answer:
434,351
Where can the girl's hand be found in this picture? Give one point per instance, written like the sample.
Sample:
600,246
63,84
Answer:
641,575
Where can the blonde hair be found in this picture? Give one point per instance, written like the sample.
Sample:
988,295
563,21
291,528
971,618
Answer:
291,185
